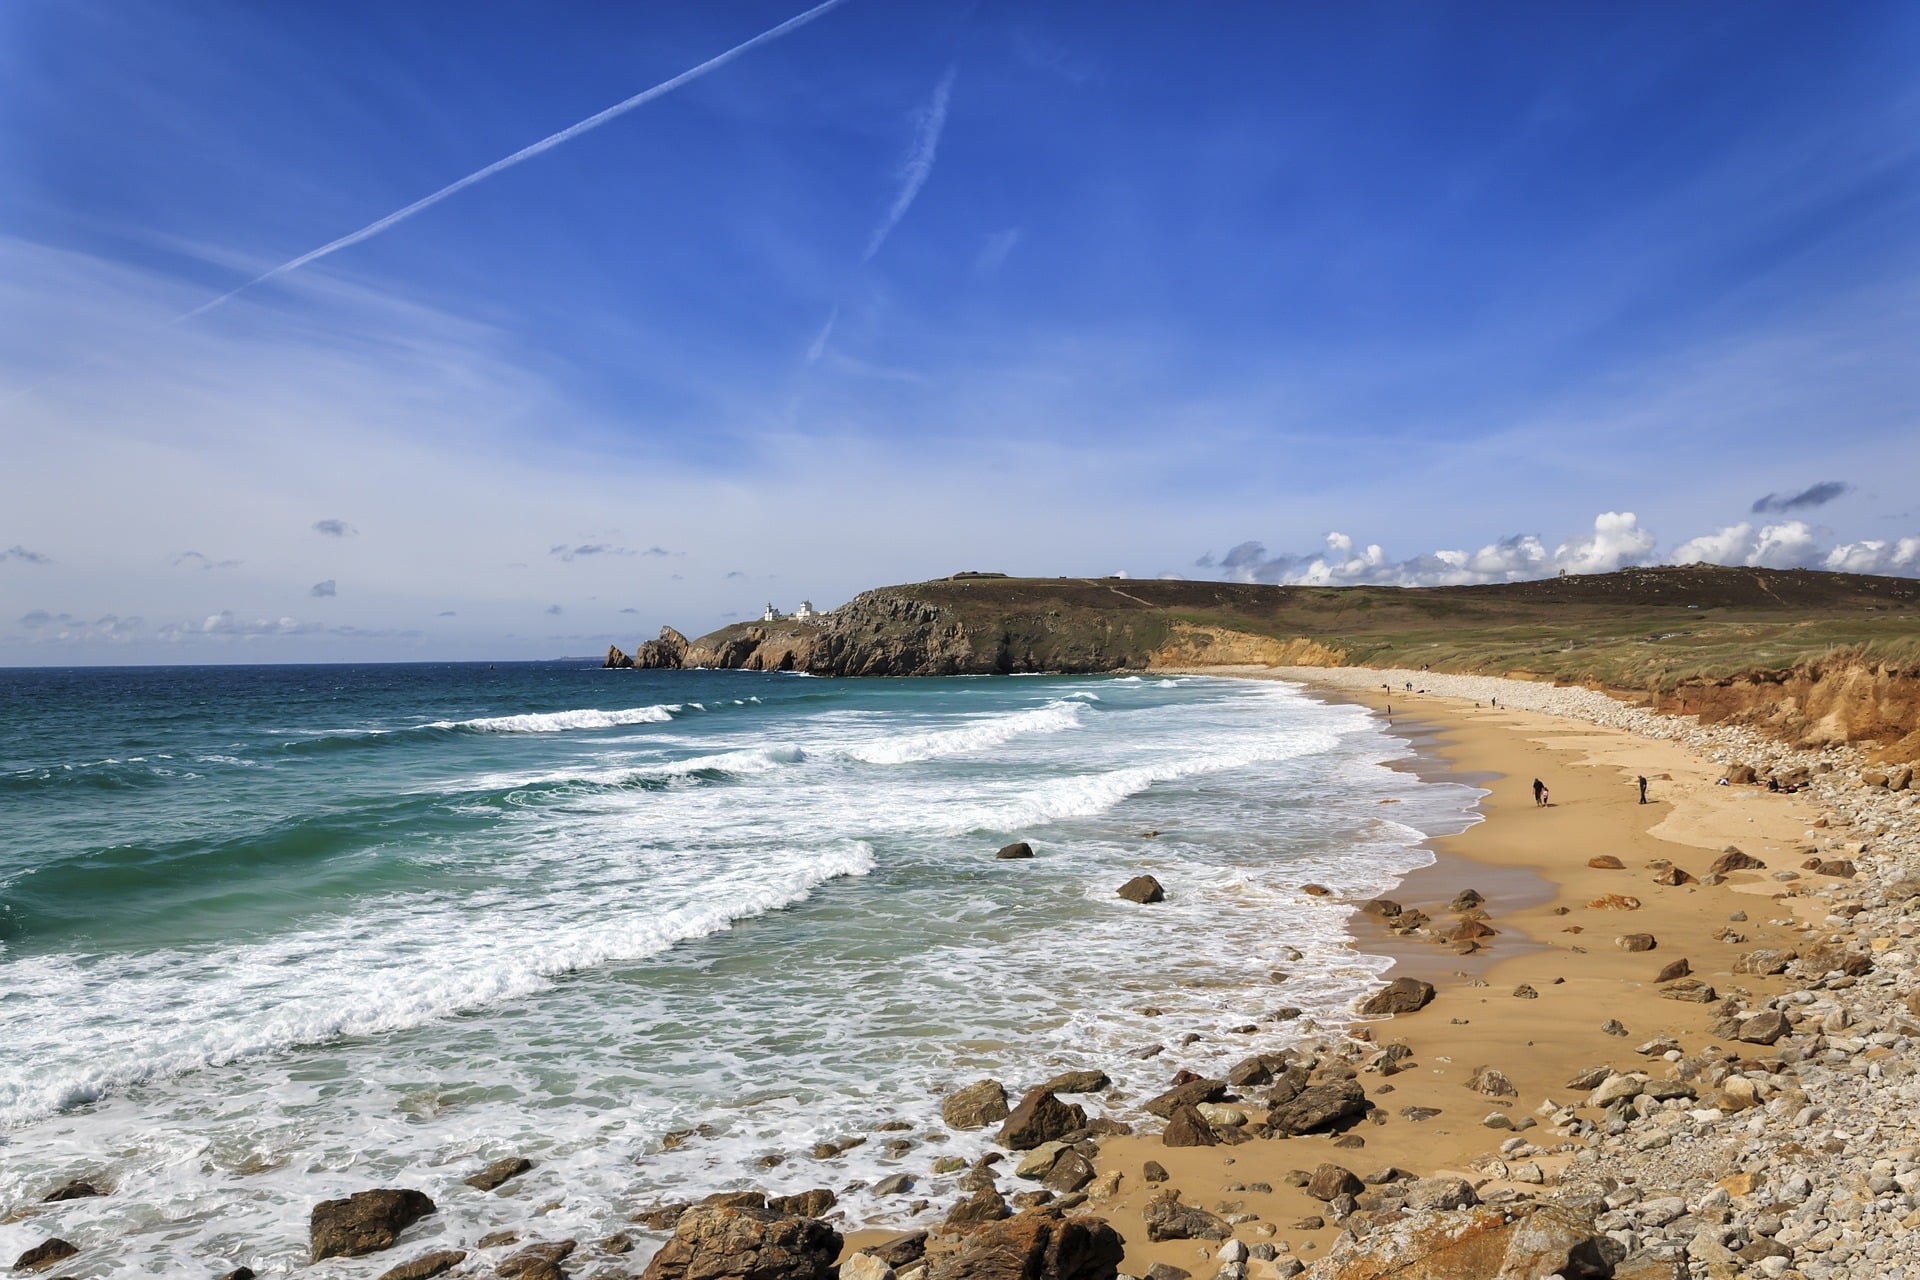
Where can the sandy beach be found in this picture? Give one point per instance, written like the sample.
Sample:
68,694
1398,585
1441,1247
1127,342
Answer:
1532,1000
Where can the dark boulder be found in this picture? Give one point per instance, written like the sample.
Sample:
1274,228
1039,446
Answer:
499,1172
45,1254
365,1222
426,1266
1018,849
1186,1127
1039,1118
1331,1180
724,1242
805,1204
1078,1082
976,1106
1734,860
1189,1093
74,1189
1038,1245
1142,889
1402,995
1168,1219
1316,1107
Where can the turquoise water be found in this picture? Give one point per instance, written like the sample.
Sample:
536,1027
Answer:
270,935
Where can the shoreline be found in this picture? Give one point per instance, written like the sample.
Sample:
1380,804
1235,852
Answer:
1789,1156
1532,1011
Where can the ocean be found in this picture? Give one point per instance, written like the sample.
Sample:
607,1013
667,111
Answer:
270,935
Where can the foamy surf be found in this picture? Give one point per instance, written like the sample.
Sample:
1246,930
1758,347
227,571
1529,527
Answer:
769,923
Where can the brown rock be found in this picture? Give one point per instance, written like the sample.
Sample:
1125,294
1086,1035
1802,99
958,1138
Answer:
1466,900
1402,995
804,1204
74,1189
1826,957
976,1106
1187,1093
1018,849
45,1254
1168,1219
1734,860
1078,1082
1475,1244
426,1266
1492,1083
1330,1180
1764,963
1039,1118
1142,889
1692,990
1468,931
984,1205
1673,877
1635,942
1317,1107
1381,908
499,1172
1675,969
1606,862
365,1222
1154,1171
1740,774
1070,1172
717,1242
1764,1028
1038,1245
1186,1127
1316,891
538,1261
1838,867
1615,902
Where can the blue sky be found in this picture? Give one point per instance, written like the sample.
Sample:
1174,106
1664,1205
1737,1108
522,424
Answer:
1415,293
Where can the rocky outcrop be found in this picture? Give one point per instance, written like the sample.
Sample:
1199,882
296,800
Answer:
499,1173
45,1254
1476,1244
725,1242
668,652
1037,1245
365,1222
1039,1118
976,1106
427,1266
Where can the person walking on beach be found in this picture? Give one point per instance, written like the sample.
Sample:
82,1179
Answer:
1539,793
1643,788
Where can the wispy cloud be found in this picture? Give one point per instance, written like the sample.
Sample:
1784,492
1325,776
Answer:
993,254
571,553
20,553
554,611
525,153
917,167
323,590
333,528
1818,495
818,347
661,551
194,560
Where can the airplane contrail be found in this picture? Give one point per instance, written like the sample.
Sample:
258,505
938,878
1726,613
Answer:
545,144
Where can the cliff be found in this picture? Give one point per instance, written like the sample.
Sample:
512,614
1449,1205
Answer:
1809,656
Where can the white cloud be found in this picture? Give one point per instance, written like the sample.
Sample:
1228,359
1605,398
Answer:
1617,540
1900,556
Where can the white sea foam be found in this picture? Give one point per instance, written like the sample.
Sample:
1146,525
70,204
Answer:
562,721
357,979
984,732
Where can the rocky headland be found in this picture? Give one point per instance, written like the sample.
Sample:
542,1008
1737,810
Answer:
1808,657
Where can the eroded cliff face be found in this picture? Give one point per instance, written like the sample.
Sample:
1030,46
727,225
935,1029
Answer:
1189,645
1830,701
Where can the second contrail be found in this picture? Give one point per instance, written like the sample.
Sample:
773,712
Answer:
547,143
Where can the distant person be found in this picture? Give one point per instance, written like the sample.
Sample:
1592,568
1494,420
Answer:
1539,793
1643,788
1546,797
1495,702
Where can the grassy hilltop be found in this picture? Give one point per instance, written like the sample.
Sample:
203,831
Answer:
1641,629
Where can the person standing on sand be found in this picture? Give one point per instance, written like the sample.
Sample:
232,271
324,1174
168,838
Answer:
1643,788
1539,793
